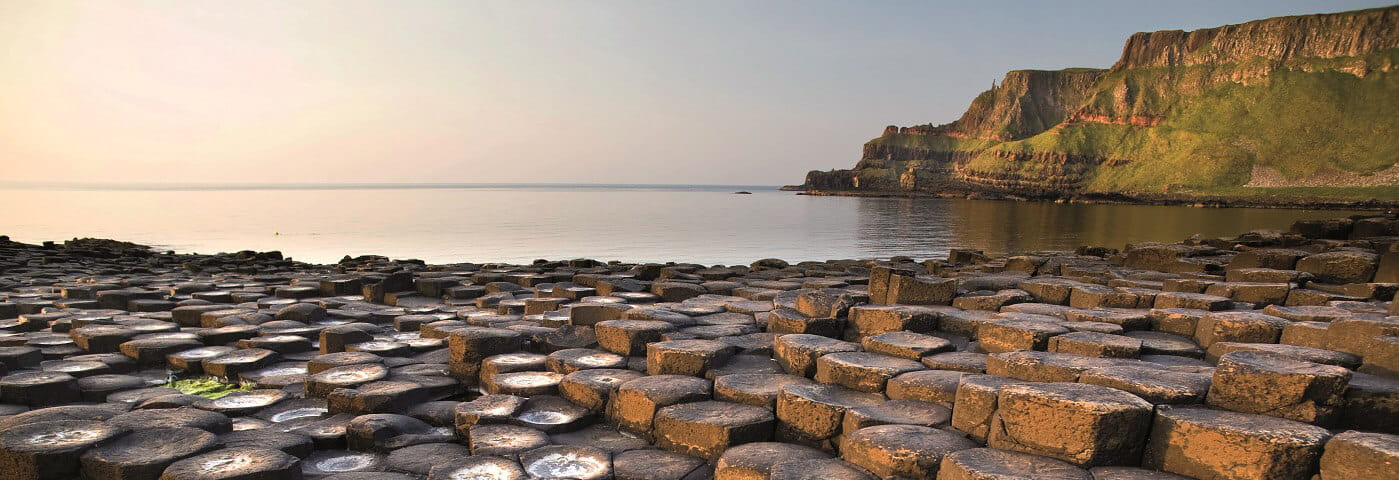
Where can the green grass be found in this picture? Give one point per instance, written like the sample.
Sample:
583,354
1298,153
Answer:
934,142
1301,123
1311,116
1298,122
207,387
1390,194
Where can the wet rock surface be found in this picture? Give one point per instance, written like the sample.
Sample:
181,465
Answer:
1270,355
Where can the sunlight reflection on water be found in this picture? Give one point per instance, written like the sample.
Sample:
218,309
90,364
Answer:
517,224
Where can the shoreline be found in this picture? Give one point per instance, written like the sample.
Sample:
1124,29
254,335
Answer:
1198,201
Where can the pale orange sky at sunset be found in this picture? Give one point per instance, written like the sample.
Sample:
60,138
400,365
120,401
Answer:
594,92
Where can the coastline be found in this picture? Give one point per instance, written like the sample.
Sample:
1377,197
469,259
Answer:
1200,201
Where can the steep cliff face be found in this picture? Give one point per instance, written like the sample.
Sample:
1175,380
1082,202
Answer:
1274,40
1304,97
1026,103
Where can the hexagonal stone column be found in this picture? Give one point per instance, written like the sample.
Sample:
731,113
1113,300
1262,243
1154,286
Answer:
630,337
876,319
525,384
1204,443
145,453
1198,301
1155,385
1009,335
686,357
895,412
229,365
829,469
706,429
39,389
901,450
592,388
50,449
934,386
910,345
348,376
987,464
862,371
756,460
812,414
1340,266
797,353
1280,386
1353,455
634,405
789,321
1359,335
1087,425
571,360
921,290
1244,327
334,339
976,403
259,463
568,461
1094,344
470,346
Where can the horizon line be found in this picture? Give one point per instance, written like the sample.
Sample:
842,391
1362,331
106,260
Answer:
31,185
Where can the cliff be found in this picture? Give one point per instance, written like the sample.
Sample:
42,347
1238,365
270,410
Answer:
1026,103
1303,100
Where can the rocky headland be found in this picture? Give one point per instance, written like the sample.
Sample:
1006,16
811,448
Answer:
1270,355
1290,110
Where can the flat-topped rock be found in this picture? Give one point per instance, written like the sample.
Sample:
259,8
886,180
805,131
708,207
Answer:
862,371
52,449
1009,335
634,405
686,357
1204,443
1155,385
648,464
758,389
933,386
901,450
231,463
706,429
1094,344
813,413
592,388
1087,425
1243,327
895,412
1354,454
1277,385
986,463
798,353
757,460
1306,354
145,453
909,345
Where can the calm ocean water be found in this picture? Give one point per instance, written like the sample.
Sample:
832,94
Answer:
519,223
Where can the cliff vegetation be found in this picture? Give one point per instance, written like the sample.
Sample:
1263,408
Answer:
1285,106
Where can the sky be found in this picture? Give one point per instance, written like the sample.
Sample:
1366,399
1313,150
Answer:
655,91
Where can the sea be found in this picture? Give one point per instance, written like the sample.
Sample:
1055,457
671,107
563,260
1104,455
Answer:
518,223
